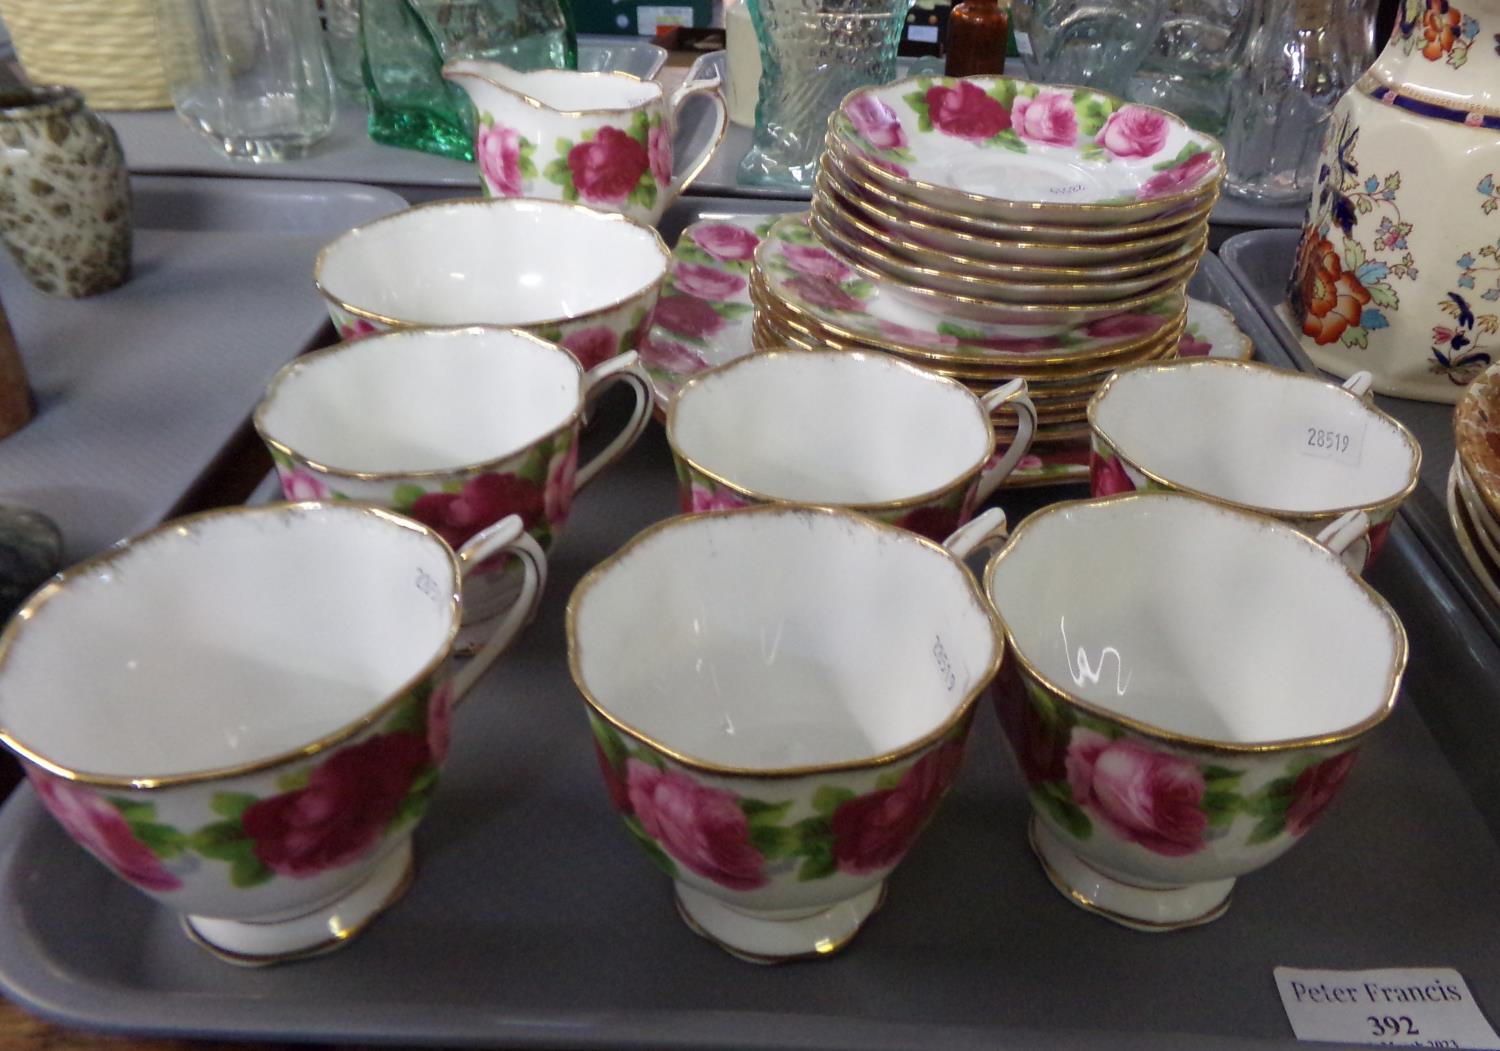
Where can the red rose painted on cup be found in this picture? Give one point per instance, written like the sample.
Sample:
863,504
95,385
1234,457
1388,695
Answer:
1134,131
935,522
499,150
1190,346
1123,326
619,793
917,336
671,356
353,328
725,241
342,813
687,316
1049,118
874,831
966,112
440,722
824,293
876,122
701,828
659,154
94,822
1179,178
816,262
1315,788
297,484
706,282
483,501
1040,745
591,346
1107,476
607,168
562,480
697,498
1145,796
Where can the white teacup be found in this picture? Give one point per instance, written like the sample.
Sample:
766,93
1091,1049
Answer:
1189,686
779,729
457,428
584,279
847,429
1264,439
244,712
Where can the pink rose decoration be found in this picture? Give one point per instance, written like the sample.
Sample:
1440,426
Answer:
299,484
440,721
824,293
99,827
483,501
1190,346
499,150
725,241
1134,131
609,167
876,121
1144,796
1107,476
562,480
1123,326
1183,177
816,262
1049,118
1314,790
354,328
687,316
671,356
659,154
697,498
703,828
966,112
342,813
915,336
1029,462
705,282
591,346
619,794
873,831
935,522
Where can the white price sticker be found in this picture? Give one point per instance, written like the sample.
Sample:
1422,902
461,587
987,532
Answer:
1395,1007
1342,441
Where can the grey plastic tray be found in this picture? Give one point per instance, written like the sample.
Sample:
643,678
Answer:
1261,262
534,921
721,177
157,141
139,389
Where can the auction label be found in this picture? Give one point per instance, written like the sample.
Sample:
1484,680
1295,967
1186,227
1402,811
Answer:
1397,1007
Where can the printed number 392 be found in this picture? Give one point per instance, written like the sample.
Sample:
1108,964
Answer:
1388,1025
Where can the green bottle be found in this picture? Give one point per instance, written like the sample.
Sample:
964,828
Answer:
404,44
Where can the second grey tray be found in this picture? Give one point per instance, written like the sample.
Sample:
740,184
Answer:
138,389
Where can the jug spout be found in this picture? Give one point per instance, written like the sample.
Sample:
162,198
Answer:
484,80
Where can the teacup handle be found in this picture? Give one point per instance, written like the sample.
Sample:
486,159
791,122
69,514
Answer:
507,536
710,86
986,530
625,368
1344,530
1016,395
1359,384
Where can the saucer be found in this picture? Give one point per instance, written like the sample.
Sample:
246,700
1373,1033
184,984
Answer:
1004,148
1211,332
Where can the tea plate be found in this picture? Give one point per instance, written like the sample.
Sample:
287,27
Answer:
1211,332
1004,148
1476,429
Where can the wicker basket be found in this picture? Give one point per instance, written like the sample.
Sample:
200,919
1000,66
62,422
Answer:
108,49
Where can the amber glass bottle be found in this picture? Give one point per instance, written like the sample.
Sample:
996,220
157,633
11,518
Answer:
977,31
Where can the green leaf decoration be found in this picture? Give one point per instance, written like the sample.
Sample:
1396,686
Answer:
650,758
653,849
734,311
1268,829
1383,295
772,842
1354,254
758,812
1221,774
291,782
526,166
1392,181
1099,726
813,834
1004,92
889,779
1271,800
405,495
558,172
917,100
221,841
131,810
162,840
609,743
829,798
1055,799
562,148
1363,205
644,192
1220,807
1031,91
247,871
798,234
860,289
639,126
1009,140
1356,337
817,866
411,809
1092,112
534,470
231,805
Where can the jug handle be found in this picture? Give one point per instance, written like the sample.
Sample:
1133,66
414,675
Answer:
1017,396
626,368
710,86
1359,385
1344,530
984,531
507,536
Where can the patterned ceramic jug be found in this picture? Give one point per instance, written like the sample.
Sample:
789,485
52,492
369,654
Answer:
1398,269
64,192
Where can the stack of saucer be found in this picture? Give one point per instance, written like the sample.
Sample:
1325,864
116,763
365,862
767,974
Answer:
1474,479
991,228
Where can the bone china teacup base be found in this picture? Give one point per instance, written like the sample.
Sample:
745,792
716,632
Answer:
1184,696
781,727
257,716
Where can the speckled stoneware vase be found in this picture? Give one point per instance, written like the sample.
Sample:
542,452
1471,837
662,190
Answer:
64,192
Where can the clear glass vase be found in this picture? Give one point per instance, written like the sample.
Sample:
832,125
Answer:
1302,56
813,53
1194,60
1093,43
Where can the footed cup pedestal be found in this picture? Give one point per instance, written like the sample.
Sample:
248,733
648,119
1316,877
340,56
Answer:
777,936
